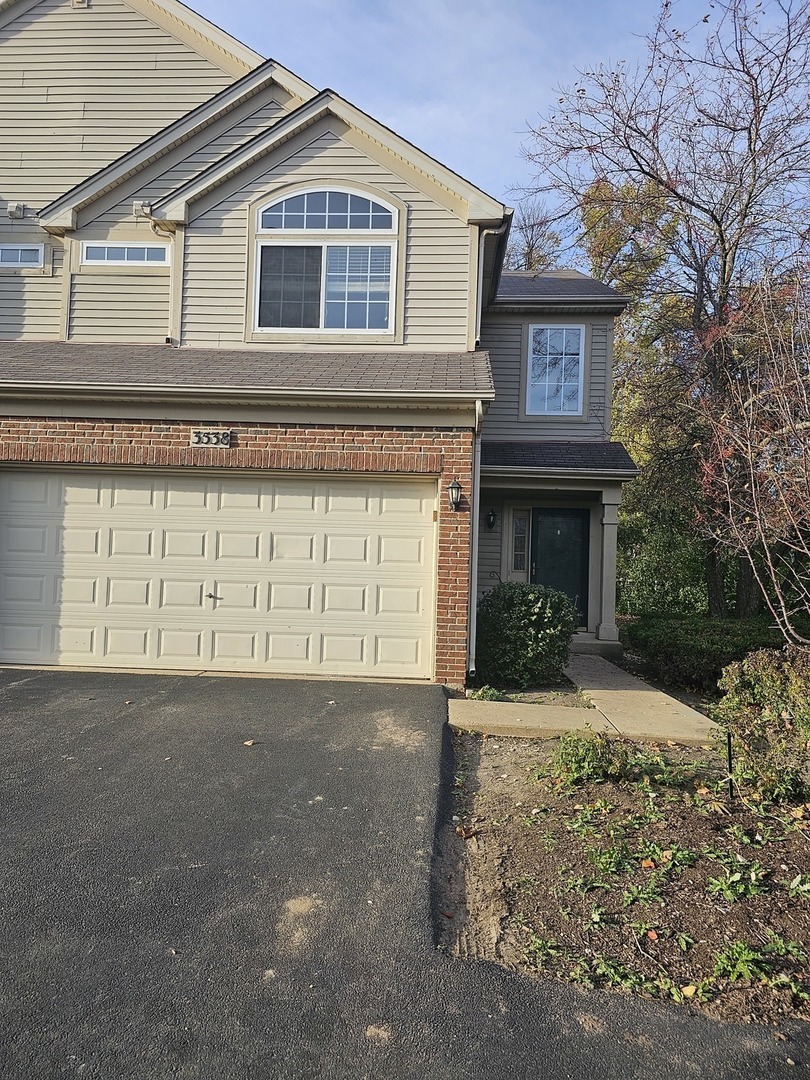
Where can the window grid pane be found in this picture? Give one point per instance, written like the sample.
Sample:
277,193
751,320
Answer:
554,370
126,253
520,542
357,287
290,287
327,210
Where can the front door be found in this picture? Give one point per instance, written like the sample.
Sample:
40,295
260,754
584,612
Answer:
560,553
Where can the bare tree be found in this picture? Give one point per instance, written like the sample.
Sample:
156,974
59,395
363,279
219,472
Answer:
533,245
703,151
756,470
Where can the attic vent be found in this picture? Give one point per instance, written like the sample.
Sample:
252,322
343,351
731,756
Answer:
80,3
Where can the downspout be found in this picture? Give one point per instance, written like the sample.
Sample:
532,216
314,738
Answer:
475,494
475,501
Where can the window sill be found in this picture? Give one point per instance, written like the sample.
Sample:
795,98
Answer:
322,337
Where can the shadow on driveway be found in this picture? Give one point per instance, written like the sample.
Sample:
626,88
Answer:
177,903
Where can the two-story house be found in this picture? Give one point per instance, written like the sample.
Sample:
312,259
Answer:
269,402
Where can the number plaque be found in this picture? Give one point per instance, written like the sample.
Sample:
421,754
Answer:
210,437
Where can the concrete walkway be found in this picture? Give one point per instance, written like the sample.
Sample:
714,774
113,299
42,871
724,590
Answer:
623,705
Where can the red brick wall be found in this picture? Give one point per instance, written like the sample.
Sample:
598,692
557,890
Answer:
446,453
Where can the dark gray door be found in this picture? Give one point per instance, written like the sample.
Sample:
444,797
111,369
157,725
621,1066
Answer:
560,553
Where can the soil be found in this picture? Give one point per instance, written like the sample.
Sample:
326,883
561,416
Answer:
654,884
563,692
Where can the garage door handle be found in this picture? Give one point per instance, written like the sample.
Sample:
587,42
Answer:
210,596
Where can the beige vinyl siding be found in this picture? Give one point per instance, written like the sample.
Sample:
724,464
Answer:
186,162
79,86
437,262
30,301
505,338
119,308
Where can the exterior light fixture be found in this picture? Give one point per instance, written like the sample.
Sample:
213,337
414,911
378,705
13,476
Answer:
492,517
454,494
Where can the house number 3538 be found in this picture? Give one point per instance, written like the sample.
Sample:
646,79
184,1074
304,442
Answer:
210,437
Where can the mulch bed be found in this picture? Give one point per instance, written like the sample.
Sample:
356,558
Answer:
653,884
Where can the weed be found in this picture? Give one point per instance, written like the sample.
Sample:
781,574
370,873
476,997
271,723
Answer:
597,918
764,835
592,757
740,961
540,950
684,942
525,883
647,893
614,973
585,884
669,859
777,946
486,693
740,885
799,887
612,860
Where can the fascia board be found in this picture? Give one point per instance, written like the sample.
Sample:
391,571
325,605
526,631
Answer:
482,209
505,471
158,144
447,398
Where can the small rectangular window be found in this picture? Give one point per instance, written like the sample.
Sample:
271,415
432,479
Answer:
556,363
25,255
125,254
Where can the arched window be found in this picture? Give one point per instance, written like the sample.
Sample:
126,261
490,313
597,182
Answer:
325,262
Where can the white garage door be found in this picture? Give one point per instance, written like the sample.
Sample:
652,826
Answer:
165,570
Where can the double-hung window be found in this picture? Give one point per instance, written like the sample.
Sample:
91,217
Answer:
325,262
556,365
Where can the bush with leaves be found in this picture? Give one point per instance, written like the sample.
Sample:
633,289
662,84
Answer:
524,632
692,651
766,708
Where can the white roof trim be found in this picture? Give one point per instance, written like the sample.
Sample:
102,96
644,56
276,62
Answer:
61,213
482,208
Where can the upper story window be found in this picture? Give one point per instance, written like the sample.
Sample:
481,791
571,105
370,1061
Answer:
555,372
325,263
125,254
27,255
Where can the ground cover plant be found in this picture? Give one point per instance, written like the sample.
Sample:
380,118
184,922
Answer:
616,865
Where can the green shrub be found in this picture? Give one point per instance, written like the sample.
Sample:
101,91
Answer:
524,632
692,651
486,693
766,708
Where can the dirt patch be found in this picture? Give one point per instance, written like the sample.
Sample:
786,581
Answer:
653,884
563,692
295,927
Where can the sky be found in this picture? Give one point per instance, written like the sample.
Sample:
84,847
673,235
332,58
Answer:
462,79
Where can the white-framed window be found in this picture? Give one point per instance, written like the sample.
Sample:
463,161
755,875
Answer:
124,254
28,256
556,366
325,262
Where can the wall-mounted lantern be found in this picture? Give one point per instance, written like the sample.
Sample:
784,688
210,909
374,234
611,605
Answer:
454,494
492,517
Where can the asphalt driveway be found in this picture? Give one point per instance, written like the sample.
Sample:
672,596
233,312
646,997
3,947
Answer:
177,903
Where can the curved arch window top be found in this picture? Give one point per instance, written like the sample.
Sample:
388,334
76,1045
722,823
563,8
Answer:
328,210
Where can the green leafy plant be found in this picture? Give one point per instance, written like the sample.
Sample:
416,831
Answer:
749,880
524,632
590,757
740,961
799,887
486,693
540,950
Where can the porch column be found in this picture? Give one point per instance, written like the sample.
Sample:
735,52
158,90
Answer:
606,629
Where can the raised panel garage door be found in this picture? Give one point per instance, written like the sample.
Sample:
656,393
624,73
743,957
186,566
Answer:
168,570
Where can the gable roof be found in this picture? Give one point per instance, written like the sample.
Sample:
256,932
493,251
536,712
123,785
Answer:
482,208
62,212
175,18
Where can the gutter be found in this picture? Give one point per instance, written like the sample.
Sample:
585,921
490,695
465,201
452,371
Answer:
475,500
479,306
552,474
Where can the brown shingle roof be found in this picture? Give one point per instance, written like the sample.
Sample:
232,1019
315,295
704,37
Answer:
40,364
591,456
